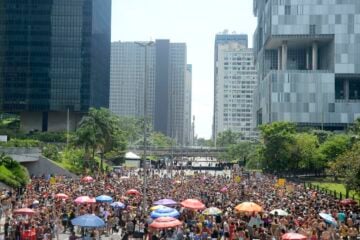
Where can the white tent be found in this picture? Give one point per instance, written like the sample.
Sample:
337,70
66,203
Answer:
132,156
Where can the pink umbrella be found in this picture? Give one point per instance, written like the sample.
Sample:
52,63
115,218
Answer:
84,199
224,189
24,211
193,204
61,196
132,192
293,236
87,179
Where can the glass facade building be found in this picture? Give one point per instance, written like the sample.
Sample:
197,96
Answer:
307,57
54,58
168,85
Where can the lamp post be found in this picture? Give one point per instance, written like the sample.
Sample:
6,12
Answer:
145,46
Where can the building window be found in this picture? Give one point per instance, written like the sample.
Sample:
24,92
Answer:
287,10
312,29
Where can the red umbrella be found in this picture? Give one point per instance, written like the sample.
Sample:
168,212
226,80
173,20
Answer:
193,204
165,222
61,196
293,236
24,211
132,192
348,201
87,179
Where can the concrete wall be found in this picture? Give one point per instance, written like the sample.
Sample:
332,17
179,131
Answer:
57,121
46,166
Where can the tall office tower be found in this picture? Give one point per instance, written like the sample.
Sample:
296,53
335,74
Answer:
235,83
54,60
222,38
166,84
187,109
307,57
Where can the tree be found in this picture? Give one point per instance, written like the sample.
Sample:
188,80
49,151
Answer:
202,142
239,152
334,146
278,140
347,166
160,140
227,138
100,131
305,152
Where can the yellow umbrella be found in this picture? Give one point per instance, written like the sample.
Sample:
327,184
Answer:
156,207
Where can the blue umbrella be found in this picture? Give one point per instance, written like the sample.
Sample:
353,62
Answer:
117,205
88,221
104,198
328,218
165,212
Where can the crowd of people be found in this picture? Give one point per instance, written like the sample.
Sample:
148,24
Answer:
225,191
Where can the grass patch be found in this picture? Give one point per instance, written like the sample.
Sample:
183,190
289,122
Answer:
338,187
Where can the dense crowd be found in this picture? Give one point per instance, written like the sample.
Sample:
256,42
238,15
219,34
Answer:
224,191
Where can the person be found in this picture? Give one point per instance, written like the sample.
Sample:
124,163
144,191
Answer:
65,219
73,236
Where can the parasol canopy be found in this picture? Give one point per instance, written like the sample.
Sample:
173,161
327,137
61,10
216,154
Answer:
165,212
165,202
61,196
88,221
212,211
132,192
87,179
165,222
293,236
193,204
328,218
279,212
248,207
104,198
24,211
85,199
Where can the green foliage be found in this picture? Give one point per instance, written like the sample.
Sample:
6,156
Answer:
160,140
58,137
347,166
227,138
51,151
239,152
72,159
27,143
334,146
304,153
11,172
202,142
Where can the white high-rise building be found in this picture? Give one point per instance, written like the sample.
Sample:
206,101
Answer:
168,85
235,83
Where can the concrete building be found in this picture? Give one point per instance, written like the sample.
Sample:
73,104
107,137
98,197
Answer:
167,85
223,38
307,57
54,60
187,110
235,83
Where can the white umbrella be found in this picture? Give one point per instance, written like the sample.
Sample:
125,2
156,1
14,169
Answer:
279,212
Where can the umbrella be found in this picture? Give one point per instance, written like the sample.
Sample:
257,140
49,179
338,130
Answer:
213,211
328,218
293,236
88,221
248,207
348,201
61,196
165,202
165,212
85,199
156,207
165,222
279,212
224,189
87,179
104,198
117,205
132,192
193,204
24,211
35,202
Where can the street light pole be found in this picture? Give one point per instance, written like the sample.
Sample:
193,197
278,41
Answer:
145,46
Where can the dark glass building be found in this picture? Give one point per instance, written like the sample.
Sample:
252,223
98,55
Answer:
54,58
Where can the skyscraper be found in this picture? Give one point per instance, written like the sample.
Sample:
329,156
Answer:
54,59
167,101
235,83
187,107
307,56
222,38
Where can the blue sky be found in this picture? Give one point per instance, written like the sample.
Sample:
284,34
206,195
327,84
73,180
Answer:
194,22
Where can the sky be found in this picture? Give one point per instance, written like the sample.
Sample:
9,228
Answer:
195,22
